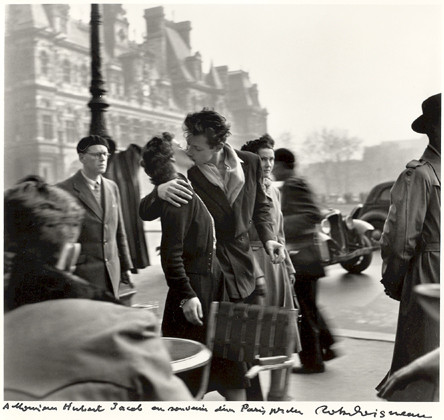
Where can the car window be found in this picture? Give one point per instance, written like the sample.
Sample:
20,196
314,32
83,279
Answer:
384,195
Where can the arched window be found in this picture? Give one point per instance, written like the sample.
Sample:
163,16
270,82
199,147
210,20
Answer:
66,71
44,63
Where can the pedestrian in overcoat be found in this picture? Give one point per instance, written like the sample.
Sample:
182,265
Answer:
410,246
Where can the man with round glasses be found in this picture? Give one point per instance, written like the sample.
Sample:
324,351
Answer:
104,258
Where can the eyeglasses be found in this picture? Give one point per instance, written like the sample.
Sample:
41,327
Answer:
98,155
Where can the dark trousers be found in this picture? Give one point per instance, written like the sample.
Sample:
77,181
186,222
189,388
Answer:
315,335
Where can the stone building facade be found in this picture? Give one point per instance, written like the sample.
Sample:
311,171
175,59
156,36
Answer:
150,86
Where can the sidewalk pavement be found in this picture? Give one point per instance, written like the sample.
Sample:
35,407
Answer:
364,358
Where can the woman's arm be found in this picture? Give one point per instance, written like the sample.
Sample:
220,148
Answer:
175,223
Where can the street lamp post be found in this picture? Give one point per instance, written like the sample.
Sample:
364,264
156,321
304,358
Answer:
98,103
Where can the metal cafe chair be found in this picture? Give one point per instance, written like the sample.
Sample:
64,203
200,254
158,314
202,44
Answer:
266,337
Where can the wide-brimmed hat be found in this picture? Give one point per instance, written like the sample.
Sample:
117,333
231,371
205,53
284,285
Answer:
431,113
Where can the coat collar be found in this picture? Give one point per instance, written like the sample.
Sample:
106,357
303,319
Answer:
85,195
432,156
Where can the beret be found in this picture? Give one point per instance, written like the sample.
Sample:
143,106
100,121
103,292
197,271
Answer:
89,141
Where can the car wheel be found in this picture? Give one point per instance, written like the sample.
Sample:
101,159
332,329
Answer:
359,264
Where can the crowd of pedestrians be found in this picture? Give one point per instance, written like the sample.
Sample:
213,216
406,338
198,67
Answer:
229,233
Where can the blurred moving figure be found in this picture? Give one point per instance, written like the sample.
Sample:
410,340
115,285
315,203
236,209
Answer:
301,215
104,259
64,338
279,278
124,168
410,246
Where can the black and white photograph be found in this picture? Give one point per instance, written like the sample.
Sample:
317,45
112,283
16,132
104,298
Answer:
226,209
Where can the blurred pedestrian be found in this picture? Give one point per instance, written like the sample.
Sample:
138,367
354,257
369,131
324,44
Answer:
191,268
229,182
124,169
301,214
410,243
64,338
104,260
279,278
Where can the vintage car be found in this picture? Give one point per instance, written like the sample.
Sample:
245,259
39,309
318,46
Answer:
346,240
376,207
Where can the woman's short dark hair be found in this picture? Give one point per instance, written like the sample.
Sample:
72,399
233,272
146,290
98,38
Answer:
36,216
156,159
263,142
208,123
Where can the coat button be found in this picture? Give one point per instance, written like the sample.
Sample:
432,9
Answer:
106,259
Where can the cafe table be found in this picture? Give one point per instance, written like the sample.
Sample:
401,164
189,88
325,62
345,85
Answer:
190,362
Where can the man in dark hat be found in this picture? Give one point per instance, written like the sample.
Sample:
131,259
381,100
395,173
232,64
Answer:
301,214
104,259
410,246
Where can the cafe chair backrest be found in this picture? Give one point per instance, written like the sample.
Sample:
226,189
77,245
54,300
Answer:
242,332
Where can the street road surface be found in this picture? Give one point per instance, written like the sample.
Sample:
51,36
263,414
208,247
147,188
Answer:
357,304
354,305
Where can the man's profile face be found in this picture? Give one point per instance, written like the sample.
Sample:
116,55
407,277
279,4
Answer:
94,160
200,151
279,172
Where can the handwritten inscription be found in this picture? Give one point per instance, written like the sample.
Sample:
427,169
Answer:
360,412
188,408
121,407
323,410
26,407
81,408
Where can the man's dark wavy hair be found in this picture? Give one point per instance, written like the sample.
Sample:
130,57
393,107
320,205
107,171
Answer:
263,142
156,158
208,123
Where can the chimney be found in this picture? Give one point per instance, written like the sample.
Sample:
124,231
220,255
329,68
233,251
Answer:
184,30
222,71
194,65
156,42
155,21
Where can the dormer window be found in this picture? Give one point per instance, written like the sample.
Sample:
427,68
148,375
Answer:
66,71
122,35
44,63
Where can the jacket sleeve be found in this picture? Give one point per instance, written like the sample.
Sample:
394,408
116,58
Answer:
150,206
261,214
299,209
281,237
175,223
121,239
404,223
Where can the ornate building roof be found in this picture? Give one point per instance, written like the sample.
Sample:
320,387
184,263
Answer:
151,86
